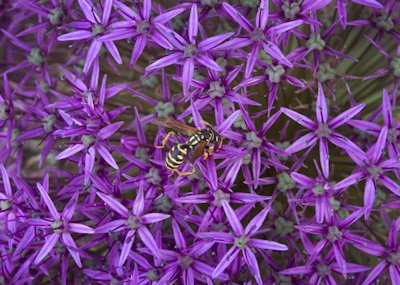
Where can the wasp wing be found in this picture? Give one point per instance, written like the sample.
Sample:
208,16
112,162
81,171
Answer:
198,151
174,124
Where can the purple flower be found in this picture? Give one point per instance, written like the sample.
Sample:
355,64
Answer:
372,167
189,52
131,223
242,240
94,25
59,225
323,130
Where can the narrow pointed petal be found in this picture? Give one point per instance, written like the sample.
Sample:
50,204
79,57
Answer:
324,156
267,244
369,197
107,6
262,14
154,218
47,247
387,109
375,272
345,116
380,145
232,218
187,74
114,204
193,24
321,108
106,155
212,42
6,181
164,61
49,203
252,263
148,239
305,141
75,36
126,247
255,224
71,247
299,118
228,258
70,151
237,17
92,54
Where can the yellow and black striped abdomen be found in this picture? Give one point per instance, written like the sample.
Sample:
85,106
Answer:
176,156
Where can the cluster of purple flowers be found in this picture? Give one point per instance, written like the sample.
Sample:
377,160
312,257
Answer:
305,189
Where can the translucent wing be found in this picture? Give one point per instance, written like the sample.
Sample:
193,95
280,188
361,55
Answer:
174,124
198,151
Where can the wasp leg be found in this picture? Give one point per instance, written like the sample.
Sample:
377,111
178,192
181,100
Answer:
206,123
208,151
165,140
219,144
185,173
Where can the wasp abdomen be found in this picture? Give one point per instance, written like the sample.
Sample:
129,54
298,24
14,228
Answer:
176,156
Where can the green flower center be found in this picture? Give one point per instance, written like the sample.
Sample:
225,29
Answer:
97,29
394,258
44,86
87,140
154,274
241,242
257,35
190,50
185,261
395,64
285,182
334,234
133,222
392,135
323,269
142,154
57,226
219,195
164,110
290,10
319,189
274,73
35,57
4,111
164,204
239,123
153,176
325,72
48,123
246,159
216,89
385,22
143,27
283,227
5,205
55,16
375,172
323,131
252,140
315,42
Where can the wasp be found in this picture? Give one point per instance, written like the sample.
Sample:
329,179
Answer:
199,142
